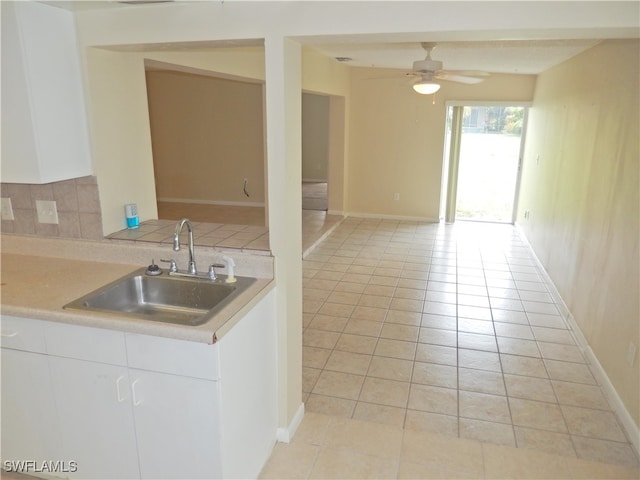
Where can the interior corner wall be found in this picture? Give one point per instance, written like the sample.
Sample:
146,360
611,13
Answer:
337,149
580,183
119,120
396,139
315,137
120,137
328,77
207,136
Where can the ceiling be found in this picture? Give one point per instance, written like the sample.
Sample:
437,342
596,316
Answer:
498,56
512,56
526,55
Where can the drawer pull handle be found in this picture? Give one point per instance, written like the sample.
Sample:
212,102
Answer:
9,335
136,402
120,398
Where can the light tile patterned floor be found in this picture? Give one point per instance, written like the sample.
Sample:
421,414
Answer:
449,330
331,447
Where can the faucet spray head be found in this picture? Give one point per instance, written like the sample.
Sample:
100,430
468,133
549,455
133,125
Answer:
176,242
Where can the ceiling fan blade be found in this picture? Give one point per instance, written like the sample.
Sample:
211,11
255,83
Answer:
466,73
455,77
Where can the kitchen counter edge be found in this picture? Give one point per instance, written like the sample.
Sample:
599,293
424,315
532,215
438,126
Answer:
46,274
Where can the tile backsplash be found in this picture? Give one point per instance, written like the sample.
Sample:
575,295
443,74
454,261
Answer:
77,204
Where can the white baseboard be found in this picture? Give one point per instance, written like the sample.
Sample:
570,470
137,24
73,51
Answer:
317,242
628,424
200,201
284,435
392,217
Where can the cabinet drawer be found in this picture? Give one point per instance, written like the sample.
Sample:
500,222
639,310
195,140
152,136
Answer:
86,343
167,355
23,334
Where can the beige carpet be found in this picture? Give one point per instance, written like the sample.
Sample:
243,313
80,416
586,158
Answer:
314,196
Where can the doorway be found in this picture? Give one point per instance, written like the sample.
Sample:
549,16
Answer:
207,136
484,152
315,151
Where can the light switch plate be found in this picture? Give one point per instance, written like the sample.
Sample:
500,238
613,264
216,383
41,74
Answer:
47,211
7,209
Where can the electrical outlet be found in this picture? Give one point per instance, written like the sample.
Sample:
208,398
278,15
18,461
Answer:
7,209
396,196
47,211
631,354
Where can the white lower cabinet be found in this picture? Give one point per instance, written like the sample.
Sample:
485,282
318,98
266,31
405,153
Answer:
126,406
29,420
94,406
109,421
121,423
176,425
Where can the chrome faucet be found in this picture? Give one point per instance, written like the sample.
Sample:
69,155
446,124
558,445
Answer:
192,270
176,244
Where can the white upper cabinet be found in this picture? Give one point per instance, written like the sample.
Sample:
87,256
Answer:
44,121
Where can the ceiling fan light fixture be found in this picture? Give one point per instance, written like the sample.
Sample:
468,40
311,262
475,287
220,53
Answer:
426,87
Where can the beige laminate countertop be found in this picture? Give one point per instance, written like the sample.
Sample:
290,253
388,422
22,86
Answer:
37,286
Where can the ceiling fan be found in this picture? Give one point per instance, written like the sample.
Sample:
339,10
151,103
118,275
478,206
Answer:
429,70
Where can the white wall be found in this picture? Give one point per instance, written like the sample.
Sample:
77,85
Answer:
120,136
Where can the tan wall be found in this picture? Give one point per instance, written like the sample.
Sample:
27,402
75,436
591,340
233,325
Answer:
207,136
397,138
324,75
583,199
315,136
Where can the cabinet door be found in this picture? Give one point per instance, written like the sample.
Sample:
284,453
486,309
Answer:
30,428
176,425
44,124
94,406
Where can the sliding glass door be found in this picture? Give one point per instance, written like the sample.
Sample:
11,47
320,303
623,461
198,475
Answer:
484,155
